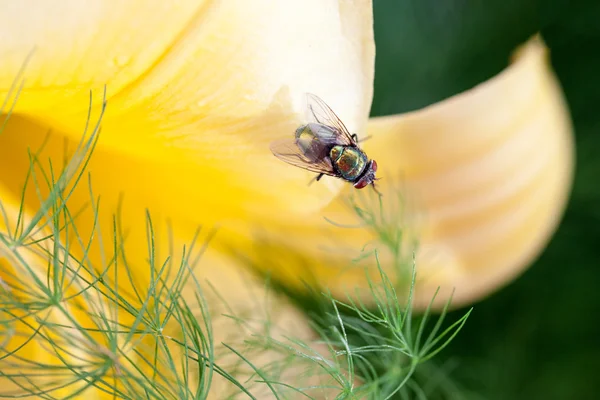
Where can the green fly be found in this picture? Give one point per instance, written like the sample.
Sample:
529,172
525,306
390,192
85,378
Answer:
326,147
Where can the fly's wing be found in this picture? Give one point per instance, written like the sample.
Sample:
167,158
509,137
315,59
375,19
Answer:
321,113
312,159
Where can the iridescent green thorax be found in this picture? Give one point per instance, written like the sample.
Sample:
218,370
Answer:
349,161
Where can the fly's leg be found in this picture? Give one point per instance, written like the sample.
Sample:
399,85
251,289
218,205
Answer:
316,178
355,137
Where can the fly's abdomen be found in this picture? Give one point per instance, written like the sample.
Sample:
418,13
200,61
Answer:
304,137
349,161
308,142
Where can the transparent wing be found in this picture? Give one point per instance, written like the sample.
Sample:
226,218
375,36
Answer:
321,113
312,159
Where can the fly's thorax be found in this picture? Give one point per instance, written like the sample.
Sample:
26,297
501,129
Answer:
349,161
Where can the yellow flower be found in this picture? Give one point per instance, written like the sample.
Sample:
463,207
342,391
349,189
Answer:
485,175
196,92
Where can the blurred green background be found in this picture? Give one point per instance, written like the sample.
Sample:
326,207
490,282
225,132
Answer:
539,337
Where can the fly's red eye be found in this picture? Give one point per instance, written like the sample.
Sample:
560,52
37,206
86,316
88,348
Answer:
360,184
374,165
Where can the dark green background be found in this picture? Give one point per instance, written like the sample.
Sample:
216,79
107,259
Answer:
539,337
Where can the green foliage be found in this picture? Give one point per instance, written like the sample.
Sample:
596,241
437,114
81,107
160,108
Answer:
152,342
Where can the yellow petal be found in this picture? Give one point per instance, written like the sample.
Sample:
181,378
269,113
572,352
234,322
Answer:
489,170
158,148
196,92
199,89
484,177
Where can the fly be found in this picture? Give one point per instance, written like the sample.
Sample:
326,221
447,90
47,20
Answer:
326,147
